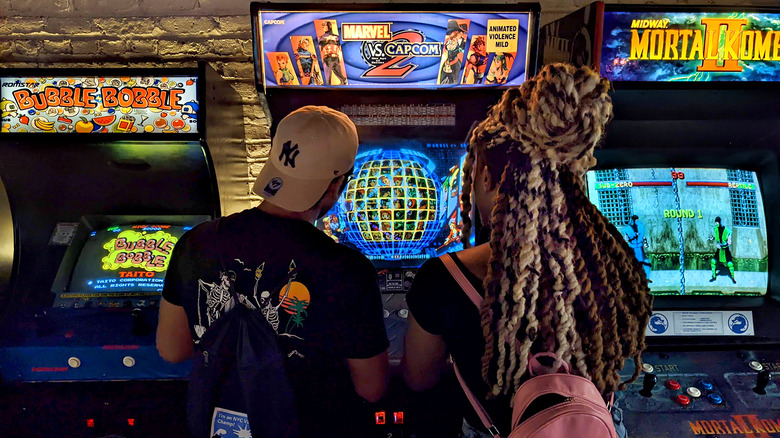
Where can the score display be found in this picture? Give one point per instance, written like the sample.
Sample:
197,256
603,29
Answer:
696,231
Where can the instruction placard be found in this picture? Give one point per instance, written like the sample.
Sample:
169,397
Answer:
701,323
502,36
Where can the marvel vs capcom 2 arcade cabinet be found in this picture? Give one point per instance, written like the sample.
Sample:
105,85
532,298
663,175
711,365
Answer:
103,171
688,173
413,78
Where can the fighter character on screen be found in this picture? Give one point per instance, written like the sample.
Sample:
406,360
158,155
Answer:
499,70
722,258
634,233
476,62
308,65
455,46
330,50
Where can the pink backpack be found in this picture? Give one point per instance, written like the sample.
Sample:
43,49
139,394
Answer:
561,404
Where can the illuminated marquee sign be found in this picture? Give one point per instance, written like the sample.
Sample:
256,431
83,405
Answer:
96,104
392,50
689,46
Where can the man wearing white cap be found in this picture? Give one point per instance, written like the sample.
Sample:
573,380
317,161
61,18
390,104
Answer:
321,298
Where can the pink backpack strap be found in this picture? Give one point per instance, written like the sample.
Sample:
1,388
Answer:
476,298
463,282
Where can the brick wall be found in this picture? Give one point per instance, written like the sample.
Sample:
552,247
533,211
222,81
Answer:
171,33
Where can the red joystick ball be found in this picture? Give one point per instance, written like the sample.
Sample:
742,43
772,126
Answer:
673,385
682,400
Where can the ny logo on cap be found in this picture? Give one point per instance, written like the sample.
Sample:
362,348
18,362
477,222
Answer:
289,154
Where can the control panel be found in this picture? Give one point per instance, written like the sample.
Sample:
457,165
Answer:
708,393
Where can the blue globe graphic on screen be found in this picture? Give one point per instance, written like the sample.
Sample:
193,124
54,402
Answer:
738,323
392,204
658,324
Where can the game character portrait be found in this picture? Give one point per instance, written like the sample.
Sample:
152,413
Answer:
372,193
384,203
386,215
384,180
399,215
361,194
412,203
476,61
330,51
398,204
399,192
398,181
361,183
722,260
386,226
283,73
374,226
384,192
373,215
377,236
634,234
454,48
308,66
408,236
499,69
371,204
411,215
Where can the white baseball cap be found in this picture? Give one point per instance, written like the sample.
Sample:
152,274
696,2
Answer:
312,145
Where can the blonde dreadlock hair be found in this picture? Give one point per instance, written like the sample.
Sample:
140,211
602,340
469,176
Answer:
560,278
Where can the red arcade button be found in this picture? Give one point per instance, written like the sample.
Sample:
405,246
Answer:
673,385
682,400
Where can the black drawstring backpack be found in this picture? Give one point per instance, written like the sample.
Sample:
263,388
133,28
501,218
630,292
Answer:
239,368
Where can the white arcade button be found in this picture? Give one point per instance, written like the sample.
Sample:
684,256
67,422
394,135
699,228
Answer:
74,362
403,313
646,367
128,361
693,392
755,365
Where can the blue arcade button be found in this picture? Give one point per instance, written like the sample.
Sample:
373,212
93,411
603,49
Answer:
705,384
715,399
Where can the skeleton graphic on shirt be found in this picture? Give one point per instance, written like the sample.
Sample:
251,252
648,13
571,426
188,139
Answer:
217,299
269,311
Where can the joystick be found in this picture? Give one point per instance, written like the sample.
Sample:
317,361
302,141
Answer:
763,379
648,383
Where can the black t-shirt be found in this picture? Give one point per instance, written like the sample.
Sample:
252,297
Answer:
442,308
322,299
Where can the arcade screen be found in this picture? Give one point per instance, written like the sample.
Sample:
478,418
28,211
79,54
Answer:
697,231
120,262
402,205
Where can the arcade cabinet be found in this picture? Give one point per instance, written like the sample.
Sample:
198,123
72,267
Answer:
413,78
687,173
103,170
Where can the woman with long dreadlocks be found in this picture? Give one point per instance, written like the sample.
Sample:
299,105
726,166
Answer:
556,276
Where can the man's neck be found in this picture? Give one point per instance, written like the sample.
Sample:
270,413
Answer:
274,210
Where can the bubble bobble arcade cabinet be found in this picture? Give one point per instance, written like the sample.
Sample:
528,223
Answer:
688,173
413,78
102,172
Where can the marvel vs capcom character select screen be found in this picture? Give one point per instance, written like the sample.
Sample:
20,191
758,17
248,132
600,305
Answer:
696,231
402,205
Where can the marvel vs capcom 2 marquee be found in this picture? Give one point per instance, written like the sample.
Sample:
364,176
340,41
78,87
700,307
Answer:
413,78
689,174
104,170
